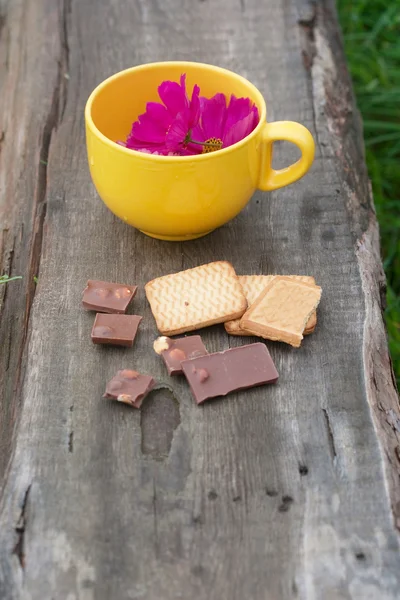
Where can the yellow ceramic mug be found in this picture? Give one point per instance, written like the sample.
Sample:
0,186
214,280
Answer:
174,197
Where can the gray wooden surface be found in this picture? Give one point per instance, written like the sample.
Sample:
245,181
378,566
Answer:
278,493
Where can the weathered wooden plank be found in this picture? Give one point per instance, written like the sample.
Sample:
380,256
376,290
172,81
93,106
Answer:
276,493
334,102
32,95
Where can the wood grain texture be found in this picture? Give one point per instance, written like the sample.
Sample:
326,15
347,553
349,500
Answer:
32,60
276,493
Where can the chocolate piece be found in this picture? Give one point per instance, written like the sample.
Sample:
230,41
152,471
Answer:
175,351
119,330
107,297
129,387
224,372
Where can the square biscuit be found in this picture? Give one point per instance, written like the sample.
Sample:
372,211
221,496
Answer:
196,298
282,310
252,286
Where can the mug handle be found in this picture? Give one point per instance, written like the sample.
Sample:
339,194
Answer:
289,131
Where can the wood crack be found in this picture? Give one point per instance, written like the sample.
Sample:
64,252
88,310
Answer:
8,352
307,27
2,24
71,430
64,62
2,138
71,442
20,527
53,119
7,267
331,439
39,208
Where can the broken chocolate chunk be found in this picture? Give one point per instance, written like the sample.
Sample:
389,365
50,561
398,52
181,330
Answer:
105,297
130,387
119,330
176,351
236,369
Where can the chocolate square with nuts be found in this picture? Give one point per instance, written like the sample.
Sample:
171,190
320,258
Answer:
106,297
235,369
130,387
175,351
118,330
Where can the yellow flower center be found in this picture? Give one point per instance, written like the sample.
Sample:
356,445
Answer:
211,145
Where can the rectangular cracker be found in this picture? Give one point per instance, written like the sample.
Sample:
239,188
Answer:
282,310
196,298
252,286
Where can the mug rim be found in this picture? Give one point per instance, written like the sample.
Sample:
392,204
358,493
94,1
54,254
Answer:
160,157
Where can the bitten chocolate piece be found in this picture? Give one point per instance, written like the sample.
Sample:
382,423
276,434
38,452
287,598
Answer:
129,387
175,351
119,330
224,372
106,297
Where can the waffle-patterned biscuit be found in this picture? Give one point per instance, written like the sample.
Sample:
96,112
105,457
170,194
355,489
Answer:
282,310
196,298
252,286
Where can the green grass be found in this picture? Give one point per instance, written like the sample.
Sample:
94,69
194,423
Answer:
371,30
6,278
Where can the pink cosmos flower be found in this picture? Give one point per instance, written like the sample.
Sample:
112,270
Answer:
180,126
222,125
163,127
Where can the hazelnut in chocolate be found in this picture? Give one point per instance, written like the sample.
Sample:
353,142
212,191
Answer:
106,297
130,387
175,351
118,330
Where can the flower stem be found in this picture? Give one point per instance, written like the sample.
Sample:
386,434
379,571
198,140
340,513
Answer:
209,144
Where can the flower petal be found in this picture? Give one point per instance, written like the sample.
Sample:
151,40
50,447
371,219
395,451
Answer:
174,96
237,110
190,150
159,114
198,133
178,131
213,116
256,116
147,130
134,143
148,148
194,109
239,130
